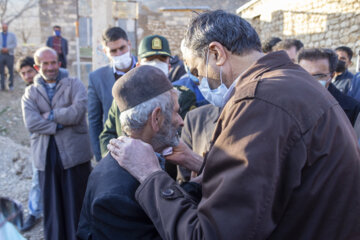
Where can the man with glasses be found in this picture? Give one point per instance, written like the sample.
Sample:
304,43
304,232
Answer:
321,64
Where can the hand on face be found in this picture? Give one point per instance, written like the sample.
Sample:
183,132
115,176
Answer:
182,155
137,157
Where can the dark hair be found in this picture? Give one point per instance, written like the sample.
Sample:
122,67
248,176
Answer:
25,61
314,54
289,43
56,26
346,49
112,34
233,32
269,44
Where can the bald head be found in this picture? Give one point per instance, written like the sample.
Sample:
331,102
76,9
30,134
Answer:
40,52
47,64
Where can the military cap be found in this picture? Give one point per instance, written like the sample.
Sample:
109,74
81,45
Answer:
139,85
154,45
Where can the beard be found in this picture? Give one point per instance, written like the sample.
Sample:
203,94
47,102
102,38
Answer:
168,136
50,75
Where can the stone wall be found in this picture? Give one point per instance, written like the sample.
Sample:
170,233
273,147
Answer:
172,24
321,23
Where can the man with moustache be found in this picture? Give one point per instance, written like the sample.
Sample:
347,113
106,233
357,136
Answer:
149,112
54,112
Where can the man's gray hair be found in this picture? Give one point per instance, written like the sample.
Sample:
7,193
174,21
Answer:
38,53
232,31
134,119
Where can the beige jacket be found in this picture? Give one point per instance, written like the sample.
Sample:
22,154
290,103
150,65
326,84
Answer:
69,108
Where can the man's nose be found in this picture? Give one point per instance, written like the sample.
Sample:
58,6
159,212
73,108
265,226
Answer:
181,121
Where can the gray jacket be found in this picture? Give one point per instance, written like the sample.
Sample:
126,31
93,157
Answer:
69,109
10,42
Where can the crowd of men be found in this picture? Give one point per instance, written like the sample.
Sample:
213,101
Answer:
236,142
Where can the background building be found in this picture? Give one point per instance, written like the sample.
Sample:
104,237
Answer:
320,23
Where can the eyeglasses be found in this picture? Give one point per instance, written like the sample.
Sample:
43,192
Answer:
321,76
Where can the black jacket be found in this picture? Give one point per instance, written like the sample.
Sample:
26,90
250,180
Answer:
110,210
350,106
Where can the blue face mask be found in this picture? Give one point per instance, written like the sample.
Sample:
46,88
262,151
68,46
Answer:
192,77
57,33
324,82
214,96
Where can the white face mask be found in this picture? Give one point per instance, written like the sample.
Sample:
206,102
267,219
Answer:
123,61
214,96
163,66
324,82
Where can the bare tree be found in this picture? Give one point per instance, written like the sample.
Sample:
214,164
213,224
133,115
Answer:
13,9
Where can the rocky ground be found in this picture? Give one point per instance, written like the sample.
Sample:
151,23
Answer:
15,157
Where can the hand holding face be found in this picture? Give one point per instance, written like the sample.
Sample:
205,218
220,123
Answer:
182,155
136,156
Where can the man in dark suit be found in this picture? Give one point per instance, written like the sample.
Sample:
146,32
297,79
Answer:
117,48
149,112
199,125
59,44
321,64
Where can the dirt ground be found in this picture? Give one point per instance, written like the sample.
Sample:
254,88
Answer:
15,157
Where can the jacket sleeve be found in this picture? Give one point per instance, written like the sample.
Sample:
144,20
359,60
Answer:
12,44
95,114
109,131
354,91
73,114
240,181
33,120
48,42
66,47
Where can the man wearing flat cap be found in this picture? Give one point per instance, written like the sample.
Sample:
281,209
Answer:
149,112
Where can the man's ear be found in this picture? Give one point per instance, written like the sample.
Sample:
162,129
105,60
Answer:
156,119
219,51
59,64
37,67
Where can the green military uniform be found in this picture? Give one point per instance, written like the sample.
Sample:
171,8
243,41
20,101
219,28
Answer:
112,128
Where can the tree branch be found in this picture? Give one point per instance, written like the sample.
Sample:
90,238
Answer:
28,5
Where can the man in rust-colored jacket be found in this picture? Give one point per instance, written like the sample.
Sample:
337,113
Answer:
284,161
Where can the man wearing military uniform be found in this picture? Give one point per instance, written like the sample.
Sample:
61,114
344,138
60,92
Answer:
153,50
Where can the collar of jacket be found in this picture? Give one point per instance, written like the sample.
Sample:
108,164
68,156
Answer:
257,69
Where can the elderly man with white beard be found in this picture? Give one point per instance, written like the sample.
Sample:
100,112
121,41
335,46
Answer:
149,112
